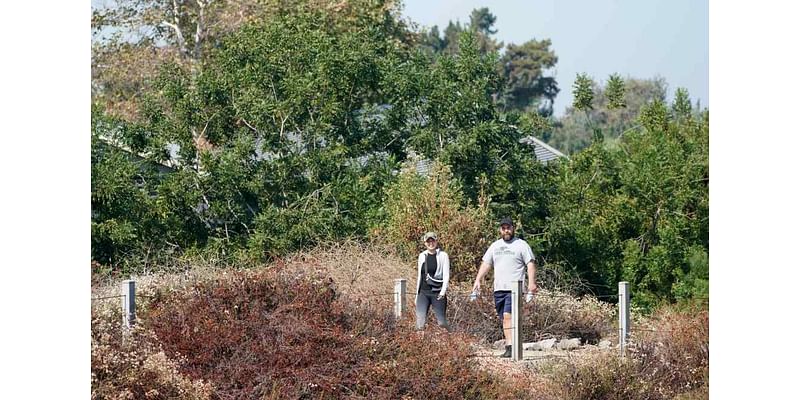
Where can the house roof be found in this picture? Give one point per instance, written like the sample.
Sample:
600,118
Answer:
544,153
133,156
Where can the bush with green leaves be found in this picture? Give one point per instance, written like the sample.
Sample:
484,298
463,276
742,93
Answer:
416,204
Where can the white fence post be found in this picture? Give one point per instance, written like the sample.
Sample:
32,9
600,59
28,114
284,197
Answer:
516,321
399,298
624,315
129,303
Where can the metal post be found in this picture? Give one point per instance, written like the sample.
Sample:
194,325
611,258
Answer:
129,303
516,321
624,315
399,298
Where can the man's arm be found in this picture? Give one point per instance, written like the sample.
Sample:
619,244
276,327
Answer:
532,276
481,273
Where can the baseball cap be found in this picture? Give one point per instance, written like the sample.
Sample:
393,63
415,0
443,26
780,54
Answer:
430,235
506,221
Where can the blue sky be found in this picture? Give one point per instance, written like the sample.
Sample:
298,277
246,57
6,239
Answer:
639,39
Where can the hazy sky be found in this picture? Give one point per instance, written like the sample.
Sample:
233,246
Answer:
635,38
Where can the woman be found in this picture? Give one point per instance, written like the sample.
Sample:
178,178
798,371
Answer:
433,276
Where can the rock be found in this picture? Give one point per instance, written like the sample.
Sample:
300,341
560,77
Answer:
540,345
569,344
499,345
604,344
546,344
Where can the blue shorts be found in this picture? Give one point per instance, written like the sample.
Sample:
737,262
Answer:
502,302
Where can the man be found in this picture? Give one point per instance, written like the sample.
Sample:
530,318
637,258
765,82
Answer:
509,256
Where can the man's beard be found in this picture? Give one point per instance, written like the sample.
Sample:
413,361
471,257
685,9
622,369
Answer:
507,237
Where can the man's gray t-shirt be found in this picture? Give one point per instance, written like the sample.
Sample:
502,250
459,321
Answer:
509,260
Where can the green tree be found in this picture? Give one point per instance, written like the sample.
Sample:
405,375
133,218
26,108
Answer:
527,88
282,130
131,39
639,211
575,130
461,126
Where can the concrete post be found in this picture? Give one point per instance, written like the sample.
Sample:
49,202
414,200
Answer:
516,321
129,303
399,298
624,316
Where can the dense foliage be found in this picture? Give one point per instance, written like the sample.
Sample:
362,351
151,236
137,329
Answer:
416,204
288,126
639,212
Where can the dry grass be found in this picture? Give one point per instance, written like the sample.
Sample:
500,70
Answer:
670,363
357,268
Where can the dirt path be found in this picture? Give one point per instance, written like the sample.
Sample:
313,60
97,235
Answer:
489,359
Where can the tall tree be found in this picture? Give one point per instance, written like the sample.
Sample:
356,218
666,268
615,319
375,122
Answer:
280,139
527,88
481,22
524,67
133,38
575,130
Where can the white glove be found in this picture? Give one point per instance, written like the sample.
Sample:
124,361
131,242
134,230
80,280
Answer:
528,297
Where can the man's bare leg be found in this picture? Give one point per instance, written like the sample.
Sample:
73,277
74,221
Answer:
507,328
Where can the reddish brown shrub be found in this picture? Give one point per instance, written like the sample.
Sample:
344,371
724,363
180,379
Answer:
133,366
268,334
245,330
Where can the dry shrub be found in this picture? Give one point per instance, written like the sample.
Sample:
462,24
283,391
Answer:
555,314
667,364
279,333
550,315
416,204
675,351
133,366
601,375
433,365
365,274
360,270
244,330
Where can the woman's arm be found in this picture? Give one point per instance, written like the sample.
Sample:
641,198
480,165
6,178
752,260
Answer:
445,274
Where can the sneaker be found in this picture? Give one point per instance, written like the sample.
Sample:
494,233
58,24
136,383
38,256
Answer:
507,354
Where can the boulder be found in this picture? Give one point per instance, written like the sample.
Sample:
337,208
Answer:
604,344
569,344
546,344
499,345
530,346
540,345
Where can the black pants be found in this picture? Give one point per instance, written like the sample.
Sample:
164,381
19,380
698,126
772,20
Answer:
426,300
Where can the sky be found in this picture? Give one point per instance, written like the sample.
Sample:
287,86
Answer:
634,38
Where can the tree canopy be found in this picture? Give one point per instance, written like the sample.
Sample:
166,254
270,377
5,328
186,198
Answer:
284,125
